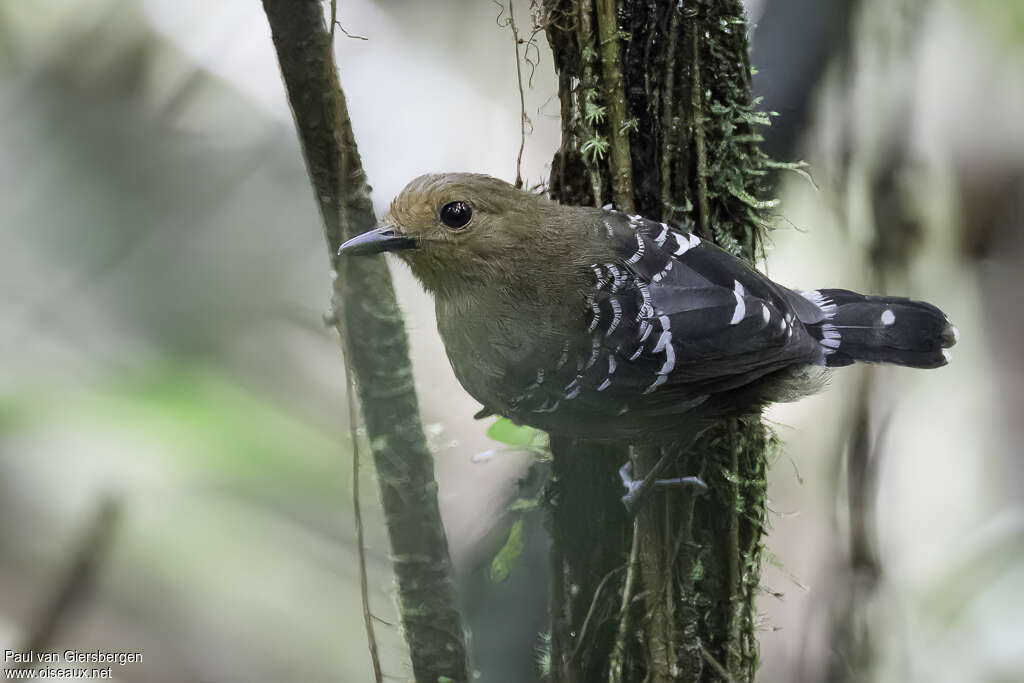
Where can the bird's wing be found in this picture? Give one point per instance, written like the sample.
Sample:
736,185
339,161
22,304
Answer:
675,320
707,321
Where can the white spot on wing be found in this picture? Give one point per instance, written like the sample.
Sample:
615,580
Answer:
639,253
547,409
668,266
616,316
741,306
766,314
646,309
595,350
888,317
564,358
619,278
596,310
670,359
658,381
830,337
683,242
660,239
826,305
663,342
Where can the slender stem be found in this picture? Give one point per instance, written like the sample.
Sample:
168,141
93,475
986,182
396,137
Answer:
618,651
588,88
522,95
714,664
656,569
734,646
699,142
364,592
618,111
590,612
669,120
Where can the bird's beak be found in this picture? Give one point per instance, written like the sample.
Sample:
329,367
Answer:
381,238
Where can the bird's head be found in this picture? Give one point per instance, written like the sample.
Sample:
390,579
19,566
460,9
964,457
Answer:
460,230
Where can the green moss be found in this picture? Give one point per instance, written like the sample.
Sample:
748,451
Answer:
595,148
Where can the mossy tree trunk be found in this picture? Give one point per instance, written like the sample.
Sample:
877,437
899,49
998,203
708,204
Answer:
657,120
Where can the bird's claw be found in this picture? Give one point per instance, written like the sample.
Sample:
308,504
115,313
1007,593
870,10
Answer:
636,488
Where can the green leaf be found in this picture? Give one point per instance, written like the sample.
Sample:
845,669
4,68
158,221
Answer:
504,431
522,504
501,565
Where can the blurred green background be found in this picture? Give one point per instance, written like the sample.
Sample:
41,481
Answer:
163,280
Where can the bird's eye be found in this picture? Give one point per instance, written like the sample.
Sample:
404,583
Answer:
456,215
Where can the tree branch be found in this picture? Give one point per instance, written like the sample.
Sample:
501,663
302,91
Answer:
374,340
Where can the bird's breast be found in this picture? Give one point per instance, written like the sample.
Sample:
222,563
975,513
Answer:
495,346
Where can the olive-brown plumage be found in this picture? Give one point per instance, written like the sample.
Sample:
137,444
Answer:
590,322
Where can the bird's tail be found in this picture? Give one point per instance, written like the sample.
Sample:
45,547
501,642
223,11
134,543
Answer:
882,329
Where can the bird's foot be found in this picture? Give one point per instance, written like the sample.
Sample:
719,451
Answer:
636,489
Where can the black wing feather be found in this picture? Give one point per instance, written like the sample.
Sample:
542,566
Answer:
674,320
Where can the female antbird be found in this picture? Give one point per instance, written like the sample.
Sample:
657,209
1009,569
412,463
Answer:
587,322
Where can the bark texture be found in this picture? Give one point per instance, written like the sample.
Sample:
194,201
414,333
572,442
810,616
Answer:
374,339
657,118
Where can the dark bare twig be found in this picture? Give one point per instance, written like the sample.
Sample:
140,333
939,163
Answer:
364,594
525,124
590,612
618,652
699,142
353,36
335,22
714,664
522,96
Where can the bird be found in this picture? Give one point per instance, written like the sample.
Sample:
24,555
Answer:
589,322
